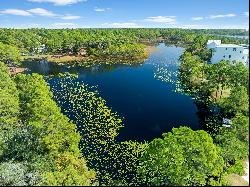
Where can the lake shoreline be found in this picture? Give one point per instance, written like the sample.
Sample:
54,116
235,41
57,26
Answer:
15,70
81,60
133,91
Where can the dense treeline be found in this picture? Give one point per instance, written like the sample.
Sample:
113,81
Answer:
222,90
112,43
9,54
233,32
182,158
39,145
98,42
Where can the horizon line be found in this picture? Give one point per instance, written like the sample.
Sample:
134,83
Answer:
125,28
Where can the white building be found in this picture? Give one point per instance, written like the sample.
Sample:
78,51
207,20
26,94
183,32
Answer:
41,49
213,43
231,52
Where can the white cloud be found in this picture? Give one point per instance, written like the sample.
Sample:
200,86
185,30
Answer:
58,2
197,18
221,16
121,25
38,12
70,17
162,19
246,14
64,25
17,12
41,12
101,9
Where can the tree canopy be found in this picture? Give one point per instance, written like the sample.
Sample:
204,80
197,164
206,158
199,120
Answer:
183,157
36,138
9,54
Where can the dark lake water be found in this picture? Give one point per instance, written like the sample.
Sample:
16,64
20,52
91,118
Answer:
144,94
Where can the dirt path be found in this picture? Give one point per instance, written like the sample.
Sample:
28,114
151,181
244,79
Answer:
246,177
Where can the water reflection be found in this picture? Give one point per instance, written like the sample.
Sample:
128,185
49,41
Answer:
48,68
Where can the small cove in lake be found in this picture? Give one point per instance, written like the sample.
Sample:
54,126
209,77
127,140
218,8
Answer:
143,94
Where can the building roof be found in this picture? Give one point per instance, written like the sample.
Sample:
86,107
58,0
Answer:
218,42
214,41
228,45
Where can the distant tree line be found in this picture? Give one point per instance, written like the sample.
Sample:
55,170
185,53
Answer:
232,32
113,43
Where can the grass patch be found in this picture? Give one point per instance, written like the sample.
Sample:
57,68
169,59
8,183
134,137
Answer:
221,93
235,180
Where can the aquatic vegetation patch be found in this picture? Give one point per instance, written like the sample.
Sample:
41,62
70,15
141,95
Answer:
114,161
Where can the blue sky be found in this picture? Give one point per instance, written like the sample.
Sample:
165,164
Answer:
124,13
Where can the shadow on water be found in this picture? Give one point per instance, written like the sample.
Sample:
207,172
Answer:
44,67
141,94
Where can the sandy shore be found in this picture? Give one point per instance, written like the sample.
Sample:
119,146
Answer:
149,49
16,70
73,58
